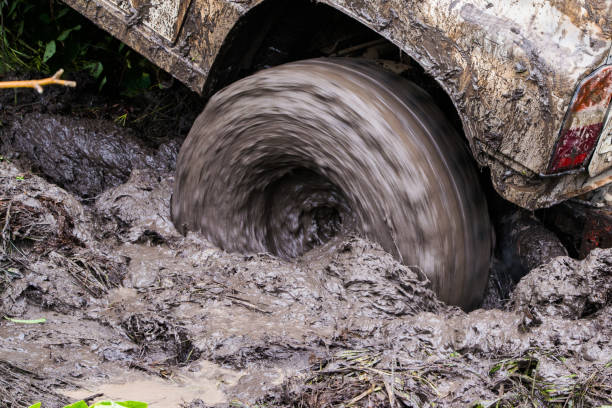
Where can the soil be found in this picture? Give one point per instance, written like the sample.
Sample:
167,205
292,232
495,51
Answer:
136,310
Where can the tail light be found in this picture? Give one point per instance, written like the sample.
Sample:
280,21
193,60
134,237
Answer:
583,122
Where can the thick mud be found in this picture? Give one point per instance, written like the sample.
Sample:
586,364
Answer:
84,155
136,310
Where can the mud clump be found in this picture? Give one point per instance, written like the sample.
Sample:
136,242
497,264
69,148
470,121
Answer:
532,243
523,243
85,156
138,210
158,339
567,288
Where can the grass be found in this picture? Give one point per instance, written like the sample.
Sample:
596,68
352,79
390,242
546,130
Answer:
366,377
360,378
520,382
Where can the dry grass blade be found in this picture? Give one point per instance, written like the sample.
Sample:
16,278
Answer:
350,376
521,384
372,389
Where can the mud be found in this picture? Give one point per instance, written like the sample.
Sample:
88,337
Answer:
83,155
136,310
87,141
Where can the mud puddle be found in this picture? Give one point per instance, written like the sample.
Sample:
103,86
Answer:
204,381
135,310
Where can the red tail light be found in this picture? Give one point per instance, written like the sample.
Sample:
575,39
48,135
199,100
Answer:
583,122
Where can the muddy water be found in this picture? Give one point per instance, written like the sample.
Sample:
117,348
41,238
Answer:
205,382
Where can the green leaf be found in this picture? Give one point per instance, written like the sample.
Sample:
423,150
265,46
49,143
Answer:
35,405
133,404
123,404
33,321
62,13
49,50
102,84
64,34
79,404
95,68
11,11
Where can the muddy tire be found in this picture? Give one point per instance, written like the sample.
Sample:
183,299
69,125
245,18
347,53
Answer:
285,159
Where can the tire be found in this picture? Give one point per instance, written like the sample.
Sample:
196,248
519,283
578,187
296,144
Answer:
283,160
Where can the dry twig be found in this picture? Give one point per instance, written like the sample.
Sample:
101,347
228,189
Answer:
39,83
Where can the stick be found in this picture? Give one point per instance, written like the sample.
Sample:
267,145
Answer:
39,83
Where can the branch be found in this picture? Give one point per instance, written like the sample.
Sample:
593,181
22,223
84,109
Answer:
39,83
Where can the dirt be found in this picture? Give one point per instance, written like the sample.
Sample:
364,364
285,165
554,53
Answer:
135,310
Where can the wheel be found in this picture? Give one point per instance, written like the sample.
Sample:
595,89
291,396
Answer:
285,159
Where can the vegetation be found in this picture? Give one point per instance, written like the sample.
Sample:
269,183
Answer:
109,404
38,37
65,39
364,377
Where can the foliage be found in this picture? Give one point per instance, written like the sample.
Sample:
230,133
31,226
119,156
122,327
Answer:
42,36
109,404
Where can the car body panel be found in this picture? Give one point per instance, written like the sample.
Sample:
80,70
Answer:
510,67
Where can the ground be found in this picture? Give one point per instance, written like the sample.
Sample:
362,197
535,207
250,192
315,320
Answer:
135,310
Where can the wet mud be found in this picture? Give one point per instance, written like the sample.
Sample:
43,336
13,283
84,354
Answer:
83,155
136,310
133,307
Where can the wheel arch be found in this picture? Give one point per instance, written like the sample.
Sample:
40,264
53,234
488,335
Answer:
242,51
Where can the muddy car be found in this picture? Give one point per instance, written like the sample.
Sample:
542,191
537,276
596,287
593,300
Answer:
367,116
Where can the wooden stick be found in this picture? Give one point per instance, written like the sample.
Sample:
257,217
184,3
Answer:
39,83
